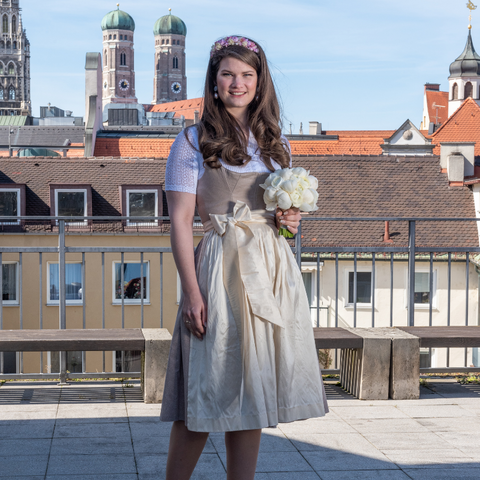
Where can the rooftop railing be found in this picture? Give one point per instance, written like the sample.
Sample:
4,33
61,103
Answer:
329,304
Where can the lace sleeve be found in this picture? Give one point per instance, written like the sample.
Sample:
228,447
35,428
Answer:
181,174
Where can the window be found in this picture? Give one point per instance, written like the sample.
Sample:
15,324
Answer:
71,201
131,282
9,44
11,69
73,283
364,288
167,41
74,362
5,24
11,93
105,58
10,283
468,90
163,42
123,59
308,282
455,92
175,62
14,24
9,202
114,37
110,37
121,37
132,361
15,45
142,203
422,288
2,44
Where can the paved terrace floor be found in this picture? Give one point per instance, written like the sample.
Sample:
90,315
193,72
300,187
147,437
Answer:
103,431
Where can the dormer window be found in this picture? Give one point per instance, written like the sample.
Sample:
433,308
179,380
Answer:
141,201
71,201
12,202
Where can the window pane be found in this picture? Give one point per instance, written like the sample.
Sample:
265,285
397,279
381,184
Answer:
131,277
364,287
73,281
142,204
8,203
9,362
9,281
422,287
307,281
71,204
133,361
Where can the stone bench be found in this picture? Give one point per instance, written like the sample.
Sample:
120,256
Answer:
154,343
367,367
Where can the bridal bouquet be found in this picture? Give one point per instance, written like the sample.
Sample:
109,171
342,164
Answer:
290,187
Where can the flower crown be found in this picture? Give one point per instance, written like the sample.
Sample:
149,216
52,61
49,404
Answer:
228,41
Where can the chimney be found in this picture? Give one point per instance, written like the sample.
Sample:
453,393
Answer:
315,128
386,236
457,159
195,116
432,86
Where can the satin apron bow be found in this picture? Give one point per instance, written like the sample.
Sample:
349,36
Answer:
244,265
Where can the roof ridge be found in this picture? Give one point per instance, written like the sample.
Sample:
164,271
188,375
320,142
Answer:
464,104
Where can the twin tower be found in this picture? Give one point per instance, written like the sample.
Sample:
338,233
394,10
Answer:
170,83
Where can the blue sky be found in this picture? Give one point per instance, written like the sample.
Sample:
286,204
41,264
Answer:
348,64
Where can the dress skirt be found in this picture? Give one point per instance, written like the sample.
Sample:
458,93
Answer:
251,370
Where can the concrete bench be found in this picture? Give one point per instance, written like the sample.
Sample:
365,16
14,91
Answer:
367,367
154,343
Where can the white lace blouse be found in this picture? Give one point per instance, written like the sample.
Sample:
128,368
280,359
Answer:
185,163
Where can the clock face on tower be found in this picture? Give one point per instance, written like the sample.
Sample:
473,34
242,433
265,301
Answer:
176,87
124,84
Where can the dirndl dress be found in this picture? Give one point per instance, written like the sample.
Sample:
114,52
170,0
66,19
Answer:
257,365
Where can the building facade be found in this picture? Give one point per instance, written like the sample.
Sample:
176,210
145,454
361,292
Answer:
170,82
118,58
14,62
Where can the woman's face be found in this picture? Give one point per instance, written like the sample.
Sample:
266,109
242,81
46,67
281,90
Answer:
237,85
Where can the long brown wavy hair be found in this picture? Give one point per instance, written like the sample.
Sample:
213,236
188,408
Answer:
220,135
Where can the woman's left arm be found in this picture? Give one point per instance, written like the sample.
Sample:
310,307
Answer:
289,218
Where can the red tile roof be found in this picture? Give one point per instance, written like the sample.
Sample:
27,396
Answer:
462,126
133,147
437,98
182,107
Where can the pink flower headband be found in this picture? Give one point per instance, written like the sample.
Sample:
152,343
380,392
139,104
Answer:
228,41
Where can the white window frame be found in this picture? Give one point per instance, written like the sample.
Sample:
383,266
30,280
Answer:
19,212
423,306
16,302
360,269
127,200
67,302
85,203
131,301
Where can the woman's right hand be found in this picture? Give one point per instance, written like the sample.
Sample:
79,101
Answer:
194,314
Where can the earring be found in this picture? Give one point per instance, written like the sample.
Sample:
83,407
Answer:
215,89
256,98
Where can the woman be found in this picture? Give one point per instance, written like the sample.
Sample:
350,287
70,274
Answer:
243,355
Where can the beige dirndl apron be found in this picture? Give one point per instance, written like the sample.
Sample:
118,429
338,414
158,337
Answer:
257,365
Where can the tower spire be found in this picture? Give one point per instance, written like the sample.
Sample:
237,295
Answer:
471,7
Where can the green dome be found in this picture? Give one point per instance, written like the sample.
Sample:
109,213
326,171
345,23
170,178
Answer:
170,24
37,152
118,20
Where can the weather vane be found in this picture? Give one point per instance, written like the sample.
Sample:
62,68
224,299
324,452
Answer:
471,7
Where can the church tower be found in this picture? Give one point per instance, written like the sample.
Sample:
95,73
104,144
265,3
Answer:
118,58
170,83
464,79
14,62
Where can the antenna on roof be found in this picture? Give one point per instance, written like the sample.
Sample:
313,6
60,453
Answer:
437,107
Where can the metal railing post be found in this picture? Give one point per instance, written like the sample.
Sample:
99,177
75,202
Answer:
411,273
62,296
298,246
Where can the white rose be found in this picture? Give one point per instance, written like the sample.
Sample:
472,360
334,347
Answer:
297,198
313,182
304,183
285,173
271,206
269,195
307,196
300,172
284,201
276,182
290,185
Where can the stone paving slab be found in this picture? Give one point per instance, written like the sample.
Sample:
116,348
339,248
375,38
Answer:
103,431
